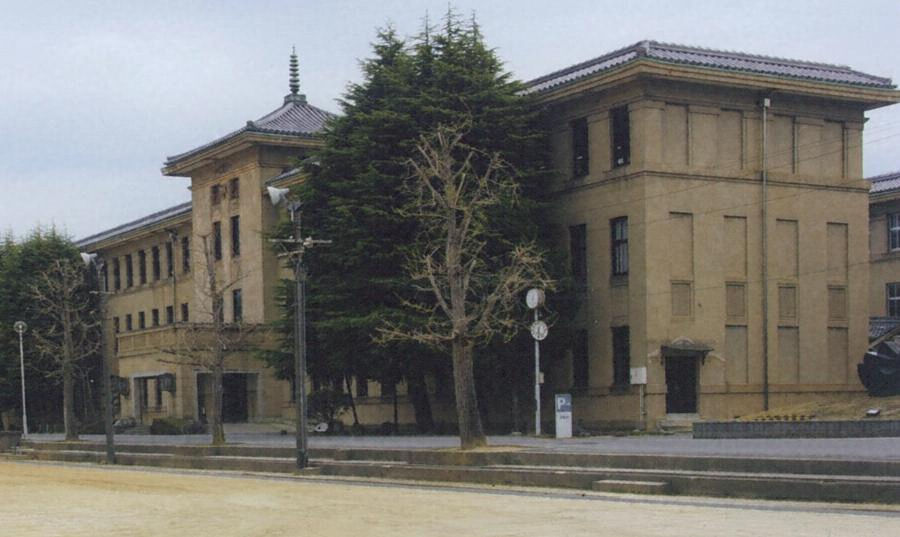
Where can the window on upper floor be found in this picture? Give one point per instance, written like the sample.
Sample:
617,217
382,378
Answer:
619,245
620,135
237,306
580,148
128,324
185,312
185,255
142,320
129,272
235,236
142,266
170,260
893,299
893,231
578,254
217,241
154,263
234,189
170,315
117,275
105,274
154,317
215,194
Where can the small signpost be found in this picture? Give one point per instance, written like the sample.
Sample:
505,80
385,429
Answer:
563,415
534,300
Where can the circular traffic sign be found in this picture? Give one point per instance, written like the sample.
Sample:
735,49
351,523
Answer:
20,327
539,330
534,298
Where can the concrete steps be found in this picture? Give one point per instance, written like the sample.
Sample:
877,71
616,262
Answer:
821,480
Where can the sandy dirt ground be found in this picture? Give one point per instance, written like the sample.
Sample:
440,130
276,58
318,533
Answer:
49,500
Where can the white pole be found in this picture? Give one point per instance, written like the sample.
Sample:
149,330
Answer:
537,383
22,367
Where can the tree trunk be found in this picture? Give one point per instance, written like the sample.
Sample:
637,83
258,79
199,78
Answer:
418,394
349,386
69,402
471,433
216,426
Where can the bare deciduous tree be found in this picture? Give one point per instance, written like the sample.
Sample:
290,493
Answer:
72,334
454,186
207,344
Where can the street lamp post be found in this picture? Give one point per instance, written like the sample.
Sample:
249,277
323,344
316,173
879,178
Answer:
98,263
20,328
295,246
534,300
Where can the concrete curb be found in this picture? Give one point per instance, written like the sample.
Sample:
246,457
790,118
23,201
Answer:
796,429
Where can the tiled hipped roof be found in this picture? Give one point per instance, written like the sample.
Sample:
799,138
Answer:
885,182
713,59
160,216
295,118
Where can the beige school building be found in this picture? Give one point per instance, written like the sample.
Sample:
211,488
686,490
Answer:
712,205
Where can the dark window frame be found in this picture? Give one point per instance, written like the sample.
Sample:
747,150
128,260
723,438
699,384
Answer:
893,232
621,354
892,297
170,315
236,235
142,320
237,305
142,266
618,246
217,240
620,136
185,312
215,194
155,265
129,322
170,259
185,255
129,272
578,254
154,317
234,188
117,274
581,147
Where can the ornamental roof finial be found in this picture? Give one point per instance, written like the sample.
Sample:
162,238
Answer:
295,73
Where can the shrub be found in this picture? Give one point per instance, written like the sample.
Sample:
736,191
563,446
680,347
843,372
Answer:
175,426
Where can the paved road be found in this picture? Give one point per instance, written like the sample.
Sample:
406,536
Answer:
830,448
43,499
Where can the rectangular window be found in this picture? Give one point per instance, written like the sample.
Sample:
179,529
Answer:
142,266
621,136
215,194
104,272
129,272
237,306
619,245
116,328
142,320
580,148
117,274
578,254
234,189
621,356
128,324
217,241
581,360
235,236
893,299
170,260
185,255
154,317
893,231
185,317
154,263
170,315
116,324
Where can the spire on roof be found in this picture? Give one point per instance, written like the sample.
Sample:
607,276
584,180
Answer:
294,95
295,72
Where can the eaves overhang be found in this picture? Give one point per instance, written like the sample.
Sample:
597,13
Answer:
138,229
183,165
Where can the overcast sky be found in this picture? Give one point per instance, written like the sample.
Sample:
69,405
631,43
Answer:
94,95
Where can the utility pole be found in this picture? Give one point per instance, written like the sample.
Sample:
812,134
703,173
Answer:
94,259
20,328
295,247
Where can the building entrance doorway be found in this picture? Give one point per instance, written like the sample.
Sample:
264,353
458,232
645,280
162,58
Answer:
681,385
238,396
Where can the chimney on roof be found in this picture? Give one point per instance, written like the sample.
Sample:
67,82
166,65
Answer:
294,95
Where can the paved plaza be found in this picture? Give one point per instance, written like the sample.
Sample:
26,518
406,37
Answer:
681,444
55,500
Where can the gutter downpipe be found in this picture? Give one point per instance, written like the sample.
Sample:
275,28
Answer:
766,103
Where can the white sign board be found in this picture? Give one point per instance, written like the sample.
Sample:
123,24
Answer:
563,415
639,375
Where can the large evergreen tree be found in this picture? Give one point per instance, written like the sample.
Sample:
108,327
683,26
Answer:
354,196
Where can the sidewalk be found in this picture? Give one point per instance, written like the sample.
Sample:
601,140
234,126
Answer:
887,449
